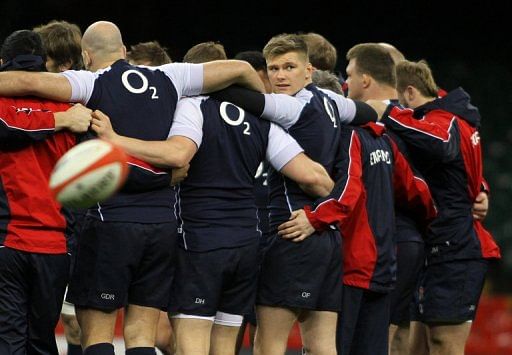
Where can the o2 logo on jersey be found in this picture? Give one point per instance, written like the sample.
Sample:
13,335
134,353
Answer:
144,87
330,111
237,120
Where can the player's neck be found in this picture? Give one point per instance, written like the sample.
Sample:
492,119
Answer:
381,92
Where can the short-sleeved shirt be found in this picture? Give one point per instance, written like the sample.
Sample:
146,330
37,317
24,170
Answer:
140,102
216,201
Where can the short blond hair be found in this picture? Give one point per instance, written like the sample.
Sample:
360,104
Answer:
285,43
417,75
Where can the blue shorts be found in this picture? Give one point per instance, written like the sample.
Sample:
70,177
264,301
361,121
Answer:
449,292
32,287
410,260
304,275
223,280
121,263
363,322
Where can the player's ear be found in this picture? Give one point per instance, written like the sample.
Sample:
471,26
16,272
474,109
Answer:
309,71
86,58
410,92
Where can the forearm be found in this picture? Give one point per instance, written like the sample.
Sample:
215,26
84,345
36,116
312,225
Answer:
321,186
47,85
156,153
223,73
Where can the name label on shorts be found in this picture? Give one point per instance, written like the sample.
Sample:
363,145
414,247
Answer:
108,296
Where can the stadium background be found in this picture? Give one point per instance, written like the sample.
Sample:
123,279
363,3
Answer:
465,43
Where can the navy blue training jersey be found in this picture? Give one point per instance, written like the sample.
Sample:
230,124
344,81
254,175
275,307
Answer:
316,127
375,176
217,207
140,102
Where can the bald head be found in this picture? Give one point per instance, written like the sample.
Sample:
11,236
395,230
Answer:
393,51
103,43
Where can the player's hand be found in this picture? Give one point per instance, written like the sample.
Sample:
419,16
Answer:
379,106
179,174
77,119
102,126
480,206
297,228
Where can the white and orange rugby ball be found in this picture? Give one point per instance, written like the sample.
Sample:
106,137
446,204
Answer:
89,173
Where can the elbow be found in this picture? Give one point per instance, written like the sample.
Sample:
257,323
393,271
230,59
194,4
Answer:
179,161
312,179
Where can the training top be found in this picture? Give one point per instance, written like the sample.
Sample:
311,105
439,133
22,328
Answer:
140,102
375,177
217,207
444,145
31,219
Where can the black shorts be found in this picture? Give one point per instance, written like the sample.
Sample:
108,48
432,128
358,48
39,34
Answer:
31,291
410,260
305,275
363,322
223,280
449,292
123,263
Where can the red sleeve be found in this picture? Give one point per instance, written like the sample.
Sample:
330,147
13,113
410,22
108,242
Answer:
19,123
335,208
143,176
411,191
435,134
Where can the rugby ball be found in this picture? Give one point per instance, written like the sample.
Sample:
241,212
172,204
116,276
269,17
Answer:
88,173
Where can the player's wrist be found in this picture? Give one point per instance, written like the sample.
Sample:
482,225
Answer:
62,121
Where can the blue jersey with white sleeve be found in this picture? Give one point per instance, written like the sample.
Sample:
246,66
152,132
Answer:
313,117
140,102
217,207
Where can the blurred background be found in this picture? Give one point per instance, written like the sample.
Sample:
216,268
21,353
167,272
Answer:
466,44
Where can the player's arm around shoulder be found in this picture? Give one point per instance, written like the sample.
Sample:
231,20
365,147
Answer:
164,154
46,85
287,157
311,176
219,74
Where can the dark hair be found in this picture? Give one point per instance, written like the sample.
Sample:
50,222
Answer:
23,50
254,58
374,60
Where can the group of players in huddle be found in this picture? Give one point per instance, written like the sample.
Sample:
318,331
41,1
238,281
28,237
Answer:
267,192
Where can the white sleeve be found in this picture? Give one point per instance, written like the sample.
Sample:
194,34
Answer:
281,147
282,109
346,107
186,77
188,120
82,84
